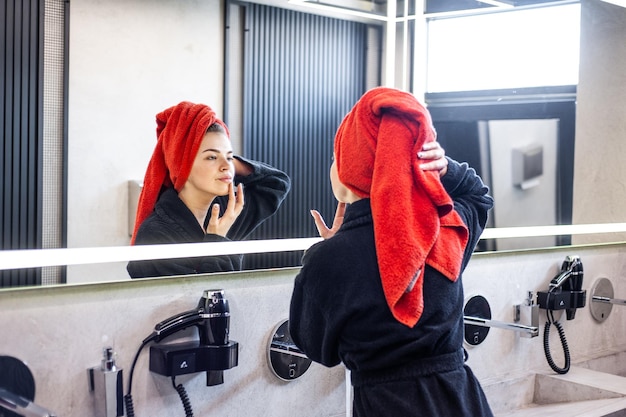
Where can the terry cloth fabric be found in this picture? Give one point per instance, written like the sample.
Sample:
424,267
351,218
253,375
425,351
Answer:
376,149
180,130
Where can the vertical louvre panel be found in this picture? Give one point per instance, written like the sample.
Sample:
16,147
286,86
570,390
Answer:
302,74
20,155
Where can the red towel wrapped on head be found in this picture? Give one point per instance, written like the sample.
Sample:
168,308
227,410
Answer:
180,130
415,224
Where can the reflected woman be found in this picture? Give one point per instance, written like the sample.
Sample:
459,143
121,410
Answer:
196,190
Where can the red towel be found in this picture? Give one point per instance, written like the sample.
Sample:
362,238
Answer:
180,130
415,223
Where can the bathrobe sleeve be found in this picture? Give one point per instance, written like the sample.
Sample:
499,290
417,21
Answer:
315,325
264,191
471,201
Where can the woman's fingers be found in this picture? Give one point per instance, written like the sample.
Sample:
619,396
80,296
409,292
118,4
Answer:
322,229
320,224
435,157
221,225
339,213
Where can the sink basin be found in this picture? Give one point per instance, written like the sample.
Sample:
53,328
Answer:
614,364
582,392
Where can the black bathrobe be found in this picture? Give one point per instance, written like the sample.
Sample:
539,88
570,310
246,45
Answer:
339,314
172,222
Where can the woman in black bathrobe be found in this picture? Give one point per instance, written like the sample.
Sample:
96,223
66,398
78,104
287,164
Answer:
406,358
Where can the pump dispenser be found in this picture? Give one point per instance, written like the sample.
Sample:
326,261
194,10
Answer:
105,382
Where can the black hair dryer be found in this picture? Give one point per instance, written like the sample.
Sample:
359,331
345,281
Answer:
565,290
215,327
564,293
213,352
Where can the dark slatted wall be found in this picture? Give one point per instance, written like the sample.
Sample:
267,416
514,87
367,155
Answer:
21,79
302,74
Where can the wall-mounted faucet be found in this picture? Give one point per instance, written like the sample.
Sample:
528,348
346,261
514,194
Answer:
21,406
602,299
477,319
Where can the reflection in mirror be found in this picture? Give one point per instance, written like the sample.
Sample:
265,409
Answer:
36,258
112,98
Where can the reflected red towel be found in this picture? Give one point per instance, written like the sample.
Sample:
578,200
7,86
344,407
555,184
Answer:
180,130
415,223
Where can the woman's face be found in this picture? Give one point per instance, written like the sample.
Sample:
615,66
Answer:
212,170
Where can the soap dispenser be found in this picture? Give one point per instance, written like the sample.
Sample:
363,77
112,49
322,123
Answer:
106,383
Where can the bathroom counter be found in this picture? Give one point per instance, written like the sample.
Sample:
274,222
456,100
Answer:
582,392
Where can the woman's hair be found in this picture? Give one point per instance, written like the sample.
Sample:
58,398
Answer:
216,127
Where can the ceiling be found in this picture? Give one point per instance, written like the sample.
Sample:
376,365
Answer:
438,6
379,7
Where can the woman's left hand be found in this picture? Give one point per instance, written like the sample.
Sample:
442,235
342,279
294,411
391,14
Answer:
436,157
323,230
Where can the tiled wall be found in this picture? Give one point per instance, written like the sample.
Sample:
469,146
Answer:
61,331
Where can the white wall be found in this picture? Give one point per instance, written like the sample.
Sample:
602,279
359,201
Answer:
61,331
129,60
599,168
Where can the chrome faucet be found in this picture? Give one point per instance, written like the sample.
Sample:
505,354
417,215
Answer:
531,330
602,299
608,300
21,406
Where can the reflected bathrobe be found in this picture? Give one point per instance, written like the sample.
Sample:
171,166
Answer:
172,222
339,314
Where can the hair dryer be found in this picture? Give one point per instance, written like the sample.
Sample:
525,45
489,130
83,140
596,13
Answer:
212,353
570,279
211,317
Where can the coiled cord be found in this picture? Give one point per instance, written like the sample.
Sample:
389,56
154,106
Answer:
128,398
130,408
183,397
546,344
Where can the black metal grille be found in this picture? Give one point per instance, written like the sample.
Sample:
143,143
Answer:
302,74
21,84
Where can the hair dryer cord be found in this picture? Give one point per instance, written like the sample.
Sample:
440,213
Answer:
180,389
546,344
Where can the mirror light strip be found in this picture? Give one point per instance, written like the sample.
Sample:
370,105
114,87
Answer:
533,231
34,258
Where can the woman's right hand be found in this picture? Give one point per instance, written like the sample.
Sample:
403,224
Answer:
221,225
323,230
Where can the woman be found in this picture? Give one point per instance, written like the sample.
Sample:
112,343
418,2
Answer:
383,292
194,191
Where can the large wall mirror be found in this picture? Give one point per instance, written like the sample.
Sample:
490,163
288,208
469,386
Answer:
126,61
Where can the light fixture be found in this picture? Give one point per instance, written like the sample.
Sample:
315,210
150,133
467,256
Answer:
621,3
335,9
497,3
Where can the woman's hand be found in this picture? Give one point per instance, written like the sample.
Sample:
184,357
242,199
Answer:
221,225
436,157
323,230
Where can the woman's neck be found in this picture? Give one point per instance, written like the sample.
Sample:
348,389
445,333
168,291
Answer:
197,203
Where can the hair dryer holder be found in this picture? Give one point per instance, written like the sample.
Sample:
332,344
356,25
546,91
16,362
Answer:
191,357
568,300
212,353
565,290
